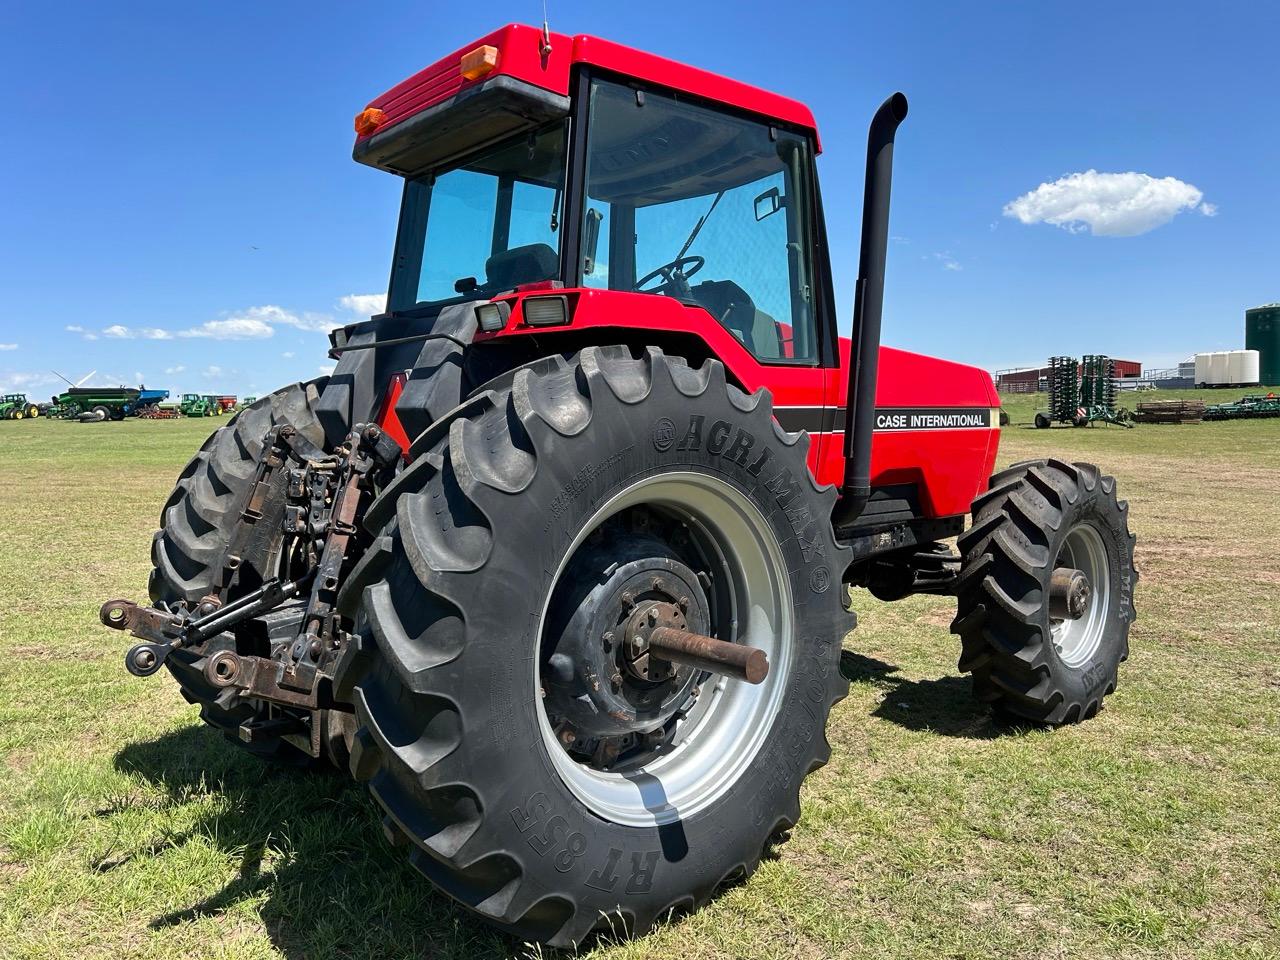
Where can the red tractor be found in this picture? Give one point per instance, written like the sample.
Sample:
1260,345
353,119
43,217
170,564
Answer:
558,560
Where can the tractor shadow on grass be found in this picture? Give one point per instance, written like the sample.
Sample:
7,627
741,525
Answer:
311,855
944,706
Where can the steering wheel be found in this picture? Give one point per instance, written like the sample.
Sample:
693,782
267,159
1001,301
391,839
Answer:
674,275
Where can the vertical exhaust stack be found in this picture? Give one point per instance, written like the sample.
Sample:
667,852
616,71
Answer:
864,359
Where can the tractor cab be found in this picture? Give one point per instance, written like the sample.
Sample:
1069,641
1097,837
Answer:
669,197
538,160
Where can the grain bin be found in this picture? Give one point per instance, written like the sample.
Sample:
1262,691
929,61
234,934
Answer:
1262,333
1242,368
1202,369
1219,362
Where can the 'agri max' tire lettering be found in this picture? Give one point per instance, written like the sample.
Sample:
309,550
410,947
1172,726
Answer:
780,482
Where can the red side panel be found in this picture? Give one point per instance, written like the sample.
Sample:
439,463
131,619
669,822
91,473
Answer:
950,466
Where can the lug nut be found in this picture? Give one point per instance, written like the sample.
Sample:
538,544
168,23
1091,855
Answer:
567,737
683,603
628,600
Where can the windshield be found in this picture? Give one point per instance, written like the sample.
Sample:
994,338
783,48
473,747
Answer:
483,227
693,203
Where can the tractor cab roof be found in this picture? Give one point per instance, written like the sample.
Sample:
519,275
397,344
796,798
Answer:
509,80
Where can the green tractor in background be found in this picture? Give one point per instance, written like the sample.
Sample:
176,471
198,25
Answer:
197,405
16,406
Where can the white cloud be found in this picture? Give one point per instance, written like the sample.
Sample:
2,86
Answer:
233,328
120,332
1108,204
278,316
254,323
211,371
24,382
8,346
288,354
175,369
364,303
326,368
946,259
76,328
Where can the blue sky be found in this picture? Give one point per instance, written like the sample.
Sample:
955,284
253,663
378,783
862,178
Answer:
186,168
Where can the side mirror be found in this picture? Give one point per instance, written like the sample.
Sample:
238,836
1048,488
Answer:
590,239
465,285
768,203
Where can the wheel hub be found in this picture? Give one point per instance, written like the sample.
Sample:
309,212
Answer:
600,679
1069,594
640,626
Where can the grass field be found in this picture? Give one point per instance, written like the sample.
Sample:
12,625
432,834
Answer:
128,830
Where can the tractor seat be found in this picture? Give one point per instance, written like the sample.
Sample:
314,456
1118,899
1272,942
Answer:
527,264
736,311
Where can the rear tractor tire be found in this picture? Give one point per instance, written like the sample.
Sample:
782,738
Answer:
1042,643
189,549
533,766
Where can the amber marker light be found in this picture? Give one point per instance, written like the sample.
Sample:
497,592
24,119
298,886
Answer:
479,62
368,120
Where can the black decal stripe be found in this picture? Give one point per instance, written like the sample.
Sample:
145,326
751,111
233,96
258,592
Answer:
794,419
888,419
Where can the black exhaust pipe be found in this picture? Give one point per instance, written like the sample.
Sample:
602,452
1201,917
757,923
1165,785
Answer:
864,360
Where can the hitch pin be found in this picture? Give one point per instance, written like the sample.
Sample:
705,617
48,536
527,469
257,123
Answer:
163,632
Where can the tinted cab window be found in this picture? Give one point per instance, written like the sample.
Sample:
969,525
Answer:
714,210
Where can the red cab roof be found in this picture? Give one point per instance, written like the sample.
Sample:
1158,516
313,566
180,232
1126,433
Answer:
520,57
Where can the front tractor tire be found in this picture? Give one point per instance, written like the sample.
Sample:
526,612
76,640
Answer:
1046,591
535,769
190,548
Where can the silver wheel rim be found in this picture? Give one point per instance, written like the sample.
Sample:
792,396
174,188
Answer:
1076,641
716,743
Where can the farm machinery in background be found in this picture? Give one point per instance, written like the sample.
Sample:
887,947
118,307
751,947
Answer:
16,406
1082,393
96,404
161,411
560,558
206,404
1253,407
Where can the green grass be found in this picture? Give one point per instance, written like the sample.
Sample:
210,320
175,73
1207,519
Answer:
128,830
